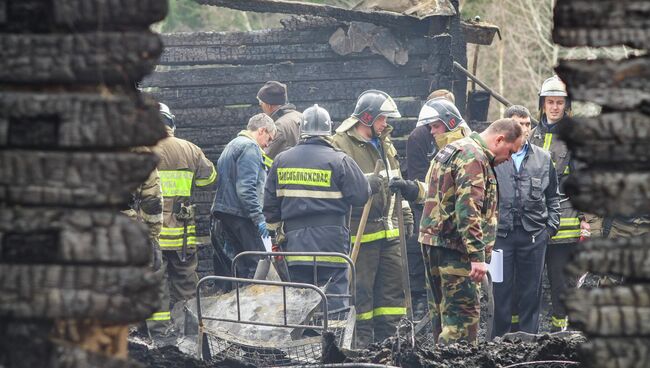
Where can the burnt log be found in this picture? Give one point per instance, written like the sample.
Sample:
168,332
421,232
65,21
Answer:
627,257
616,353
77,179
377,68
397,21
298,92
110,294
80,15
605,192
237,118
102,118
62,236
621,85
618,311
99,57
602,23
301,51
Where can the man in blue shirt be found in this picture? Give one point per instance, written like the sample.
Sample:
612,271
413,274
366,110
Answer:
529,214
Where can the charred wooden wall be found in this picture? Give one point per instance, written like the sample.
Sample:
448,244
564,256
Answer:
615,179
210,81
69,112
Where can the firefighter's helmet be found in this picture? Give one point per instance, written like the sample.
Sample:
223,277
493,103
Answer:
316,121
372,104
440,109
168,117
553,87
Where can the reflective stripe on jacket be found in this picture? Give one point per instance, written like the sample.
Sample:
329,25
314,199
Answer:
182,166
547,137
382,219
310,188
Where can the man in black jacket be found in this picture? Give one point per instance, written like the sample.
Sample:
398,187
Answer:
529,214
310,188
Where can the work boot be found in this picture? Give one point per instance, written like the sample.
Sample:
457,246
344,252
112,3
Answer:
559,324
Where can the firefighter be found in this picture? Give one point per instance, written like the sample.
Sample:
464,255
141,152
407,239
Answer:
275,103
365,137
182,166
554,104
310,188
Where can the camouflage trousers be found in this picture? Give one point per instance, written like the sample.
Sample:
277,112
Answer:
454,298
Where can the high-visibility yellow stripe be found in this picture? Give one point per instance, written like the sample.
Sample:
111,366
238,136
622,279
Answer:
209,180
365,316
559,322
301,176
176,243
567,171
567,234
569,221
304,193
172,231
381,311
383,234
268,162
514,319
160,316
176,183
330,259
548,138
389,311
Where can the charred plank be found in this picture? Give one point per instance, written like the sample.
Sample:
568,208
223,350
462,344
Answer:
394,20
97,57
605,23
617,84
62,236
111,294
80,15
610,192
616,353
100,119
77,179
628,257
377,68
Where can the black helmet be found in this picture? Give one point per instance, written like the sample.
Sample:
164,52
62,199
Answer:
440,109
316,121
372,104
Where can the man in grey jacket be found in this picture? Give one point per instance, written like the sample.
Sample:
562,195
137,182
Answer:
529,214
275,103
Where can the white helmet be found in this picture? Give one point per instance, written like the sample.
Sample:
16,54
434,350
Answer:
167,115
553,86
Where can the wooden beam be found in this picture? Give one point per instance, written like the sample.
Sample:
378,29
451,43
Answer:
403,23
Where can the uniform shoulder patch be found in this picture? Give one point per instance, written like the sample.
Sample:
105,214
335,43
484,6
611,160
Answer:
446,153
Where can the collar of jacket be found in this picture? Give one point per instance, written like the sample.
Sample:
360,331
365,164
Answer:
382,137
549,128
477,138
277,114
169,130
247,134
321,141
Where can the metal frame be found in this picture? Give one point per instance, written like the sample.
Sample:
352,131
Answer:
353,271
237,281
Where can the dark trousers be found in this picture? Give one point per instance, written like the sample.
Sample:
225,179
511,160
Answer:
416,263
523,265
557,257
336,276
240,235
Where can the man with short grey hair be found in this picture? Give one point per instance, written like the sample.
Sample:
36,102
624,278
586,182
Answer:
240,190
529,214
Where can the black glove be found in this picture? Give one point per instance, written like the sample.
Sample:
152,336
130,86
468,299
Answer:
408,188
409,230
375,182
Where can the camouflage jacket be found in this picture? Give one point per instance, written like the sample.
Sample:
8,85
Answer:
460,210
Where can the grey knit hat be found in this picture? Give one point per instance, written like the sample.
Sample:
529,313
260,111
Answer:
273,93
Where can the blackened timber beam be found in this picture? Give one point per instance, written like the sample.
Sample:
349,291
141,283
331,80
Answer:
397,21
616,352
602,23
610,192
